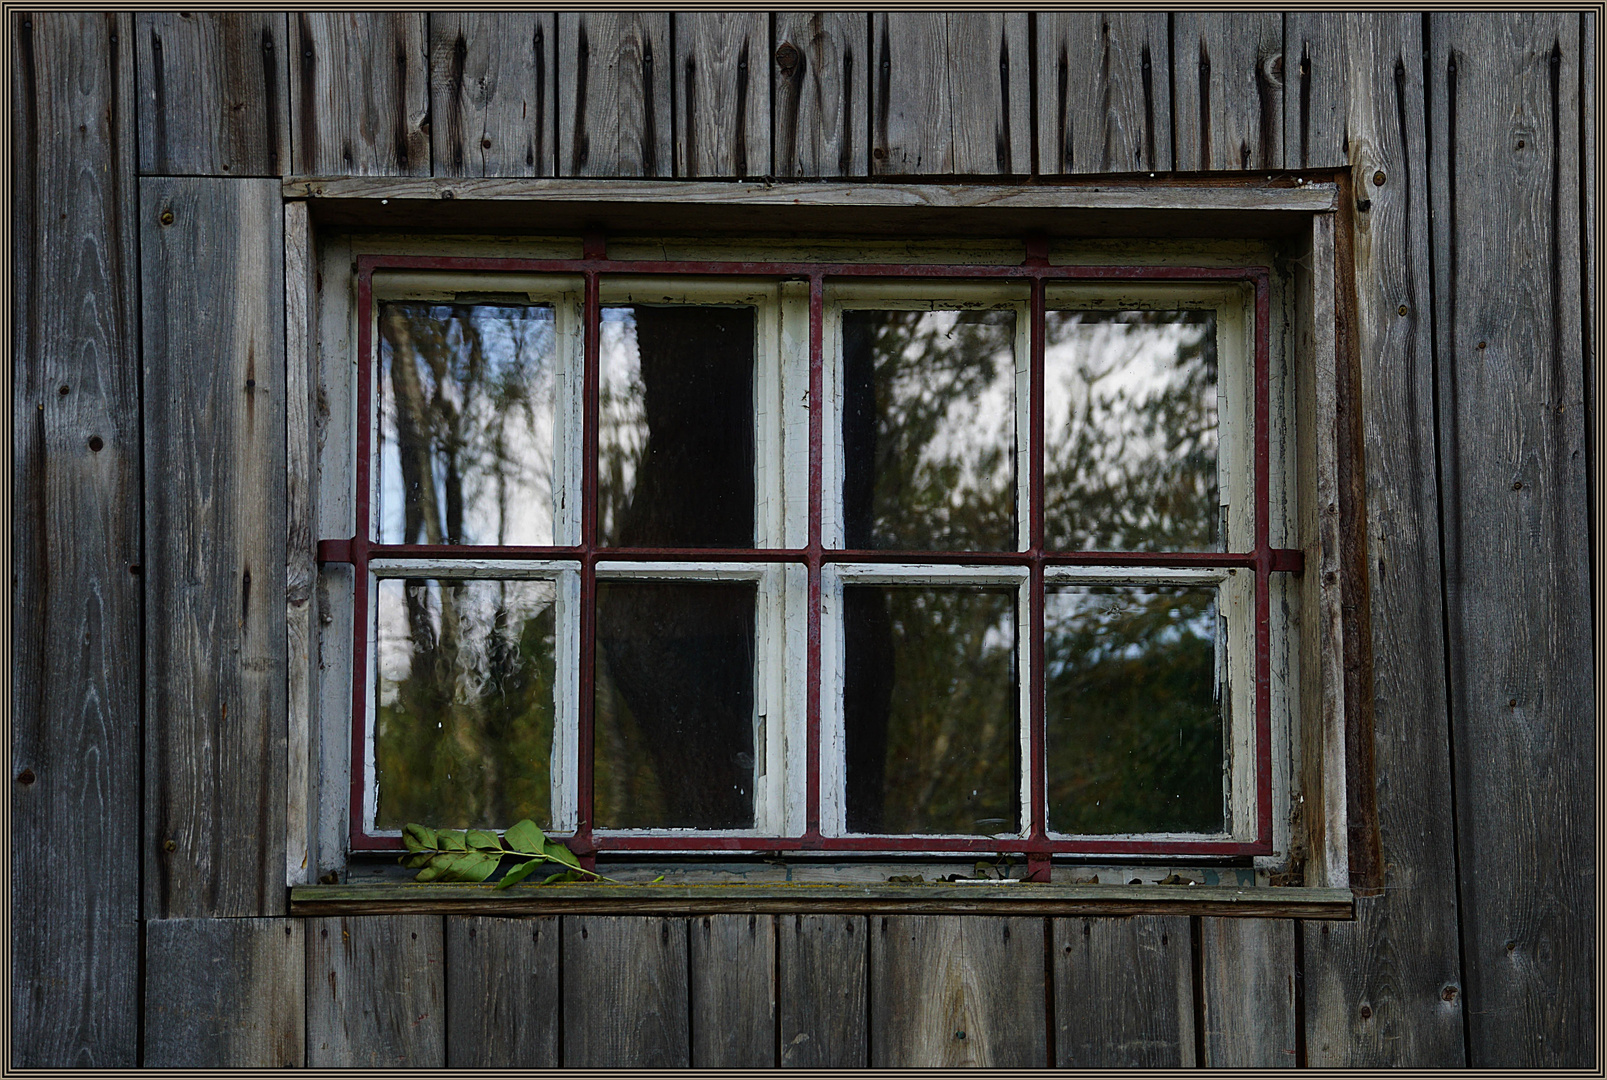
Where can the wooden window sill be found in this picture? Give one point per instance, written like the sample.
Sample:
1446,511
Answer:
817,899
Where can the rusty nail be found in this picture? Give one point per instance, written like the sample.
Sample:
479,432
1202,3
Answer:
170,845
1517,485
167,217
1378,178
96,443
1402,309
1482,344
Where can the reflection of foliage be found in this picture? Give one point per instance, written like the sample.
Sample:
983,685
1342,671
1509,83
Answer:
950,702
464,385
465,737
1132,462
928,430
1134,731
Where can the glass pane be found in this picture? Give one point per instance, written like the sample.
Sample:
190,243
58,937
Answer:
1130,431
674,705
675,453
466,424
929,710
464,730
1134,710
929,430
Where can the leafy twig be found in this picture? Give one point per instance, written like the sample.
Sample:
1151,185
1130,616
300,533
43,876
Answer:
474,854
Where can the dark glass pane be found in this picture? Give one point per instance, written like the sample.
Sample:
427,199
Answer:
463,732
1134,713
675,453
465,424
929,430
929,710
1130,431
674,705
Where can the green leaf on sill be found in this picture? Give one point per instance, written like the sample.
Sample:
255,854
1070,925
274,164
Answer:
527,838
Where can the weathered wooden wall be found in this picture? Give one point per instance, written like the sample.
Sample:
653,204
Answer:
151,472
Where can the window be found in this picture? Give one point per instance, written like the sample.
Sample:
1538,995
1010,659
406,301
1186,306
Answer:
683,554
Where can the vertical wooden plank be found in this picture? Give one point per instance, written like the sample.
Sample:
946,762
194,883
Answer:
502,993
75,604
360,98
733,965
625,992
214,97
1320,69
957,990
492,103
819,119
722,120
215,544
1228,79
1124,994
1517,578
1385,990
301,568
1248,993
225,993
614,73
821,985
951,93
1104,92
375,989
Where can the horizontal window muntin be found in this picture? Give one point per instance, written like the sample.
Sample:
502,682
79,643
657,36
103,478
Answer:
792,535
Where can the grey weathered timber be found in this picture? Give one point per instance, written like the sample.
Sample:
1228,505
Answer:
722,84
75,599
1124,994
818,122
1385,990
225,993
1506,248
376,992
360,96
1228,78
614,71
215,547
493,100
820,991
733,967
214,93
502,993
1104,92
625,992
1321,71
1247,987
947,992
301,568
950,93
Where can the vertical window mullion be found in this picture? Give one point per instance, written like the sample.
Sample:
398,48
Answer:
1037,814
817,411
585,795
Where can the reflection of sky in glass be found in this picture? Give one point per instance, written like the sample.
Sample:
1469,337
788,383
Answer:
621,407
474,607
1130,426
981,420
487,415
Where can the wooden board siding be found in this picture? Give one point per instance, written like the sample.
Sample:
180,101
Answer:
1247,993
820,121
821,986
614,115
1124,993
225,994
951,991
301,568
1385,990
214,398
214,93
733,1008
502,993
376,992
493,93
722,88
625,993
950,93
1104,92
1228,85
1505,107
75,543
360,96
1322,67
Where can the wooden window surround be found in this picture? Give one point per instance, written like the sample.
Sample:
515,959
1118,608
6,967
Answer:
1266,251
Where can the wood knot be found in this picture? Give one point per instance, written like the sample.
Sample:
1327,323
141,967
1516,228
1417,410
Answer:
25,777
787,58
